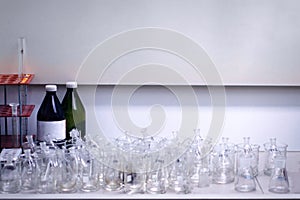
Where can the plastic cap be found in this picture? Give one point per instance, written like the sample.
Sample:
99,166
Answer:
71,84
51,88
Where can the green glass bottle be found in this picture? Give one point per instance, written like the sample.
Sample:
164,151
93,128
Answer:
74,110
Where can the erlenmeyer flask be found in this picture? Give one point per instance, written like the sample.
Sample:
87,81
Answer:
69,171
245,181
29,172
10,181
248,149
89,173
179,181
272,149
195,155
49,168
223,162
112,174
279,182
156,178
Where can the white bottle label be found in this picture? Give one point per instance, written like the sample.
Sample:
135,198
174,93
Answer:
55,130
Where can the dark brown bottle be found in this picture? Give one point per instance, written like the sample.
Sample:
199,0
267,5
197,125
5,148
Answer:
51,121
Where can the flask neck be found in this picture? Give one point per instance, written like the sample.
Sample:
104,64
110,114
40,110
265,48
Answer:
29,139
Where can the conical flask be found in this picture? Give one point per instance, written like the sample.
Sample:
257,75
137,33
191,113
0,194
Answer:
272,149
223,162
29,172
245,181
10,181
249,149
279,182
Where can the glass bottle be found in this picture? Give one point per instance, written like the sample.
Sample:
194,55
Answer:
74,110
51,122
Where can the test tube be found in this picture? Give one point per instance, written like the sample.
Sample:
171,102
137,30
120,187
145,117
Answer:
15,125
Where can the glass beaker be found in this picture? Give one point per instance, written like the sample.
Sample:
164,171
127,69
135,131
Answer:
279,182
273,149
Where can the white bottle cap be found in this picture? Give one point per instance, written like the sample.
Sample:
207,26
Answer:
72,84
51,88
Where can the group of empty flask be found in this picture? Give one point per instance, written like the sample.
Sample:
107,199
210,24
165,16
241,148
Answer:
142,165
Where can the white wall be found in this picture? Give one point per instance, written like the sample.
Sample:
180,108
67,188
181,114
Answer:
258,112
251,42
